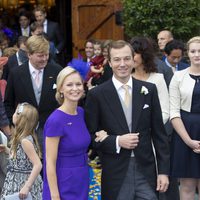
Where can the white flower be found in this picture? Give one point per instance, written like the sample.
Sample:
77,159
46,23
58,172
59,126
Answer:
144,90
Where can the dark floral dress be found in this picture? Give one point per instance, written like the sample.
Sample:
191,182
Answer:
18,171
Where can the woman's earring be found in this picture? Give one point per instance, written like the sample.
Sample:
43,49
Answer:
61,95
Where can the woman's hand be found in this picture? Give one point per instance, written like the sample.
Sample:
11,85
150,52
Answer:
197,150
23,193
101,136
194,144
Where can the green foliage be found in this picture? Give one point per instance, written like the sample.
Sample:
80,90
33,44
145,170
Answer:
149,17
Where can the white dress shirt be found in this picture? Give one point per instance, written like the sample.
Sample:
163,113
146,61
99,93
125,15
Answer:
33,72
25,31
121,92
45,26
169,65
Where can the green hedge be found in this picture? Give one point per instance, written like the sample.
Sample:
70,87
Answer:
148,17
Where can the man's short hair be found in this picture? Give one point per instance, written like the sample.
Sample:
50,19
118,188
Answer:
118,45
172,45
21,40
39,8
34,26
24,14
37,44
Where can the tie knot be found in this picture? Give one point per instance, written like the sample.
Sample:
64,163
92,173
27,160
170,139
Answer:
37,72
125,87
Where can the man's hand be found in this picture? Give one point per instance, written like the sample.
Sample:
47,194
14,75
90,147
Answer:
162,183
129,141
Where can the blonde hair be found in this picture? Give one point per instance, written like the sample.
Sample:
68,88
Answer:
9,51
192,40
106,43
59,82
26,124
39,8
37,44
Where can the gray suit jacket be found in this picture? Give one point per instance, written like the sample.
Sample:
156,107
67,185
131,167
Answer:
164,69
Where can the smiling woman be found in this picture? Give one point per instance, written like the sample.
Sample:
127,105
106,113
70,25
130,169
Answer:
185,114
66,172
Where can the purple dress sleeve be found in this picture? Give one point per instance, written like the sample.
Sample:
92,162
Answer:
54,125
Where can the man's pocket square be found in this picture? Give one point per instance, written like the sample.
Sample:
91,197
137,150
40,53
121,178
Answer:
145,106
54,86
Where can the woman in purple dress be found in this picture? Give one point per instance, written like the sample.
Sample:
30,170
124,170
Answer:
66,172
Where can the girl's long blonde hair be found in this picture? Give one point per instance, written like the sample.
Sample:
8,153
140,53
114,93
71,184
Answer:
25,125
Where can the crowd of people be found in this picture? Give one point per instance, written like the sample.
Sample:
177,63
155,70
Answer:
137,113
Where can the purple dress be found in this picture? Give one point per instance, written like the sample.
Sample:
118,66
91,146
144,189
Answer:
72,161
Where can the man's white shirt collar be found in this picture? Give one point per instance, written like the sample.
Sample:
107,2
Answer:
169,65
33,69
45,26
118,85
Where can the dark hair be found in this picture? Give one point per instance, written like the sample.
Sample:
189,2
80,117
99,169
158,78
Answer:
173,44
90,41
24,14
3,37
21,40
35,25
144,46
118,45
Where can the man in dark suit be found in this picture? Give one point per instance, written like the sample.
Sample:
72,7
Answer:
51,28
24,24
33,82
174,51
16,59
123,124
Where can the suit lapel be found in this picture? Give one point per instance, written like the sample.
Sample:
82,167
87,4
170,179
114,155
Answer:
137,104
115,105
